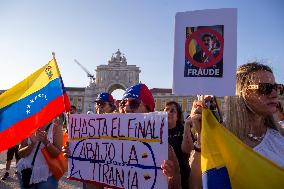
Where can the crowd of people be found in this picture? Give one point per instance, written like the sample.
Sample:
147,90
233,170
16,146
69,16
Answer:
255,115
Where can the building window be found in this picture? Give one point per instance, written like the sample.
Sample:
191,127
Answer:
189,105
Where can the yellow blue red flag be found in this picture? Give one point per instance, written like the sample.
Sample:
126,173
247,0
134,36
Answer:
31,103
226,162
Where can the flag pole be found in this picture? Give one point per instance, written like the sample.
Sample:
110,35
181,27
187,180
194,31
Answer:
218,109
53,56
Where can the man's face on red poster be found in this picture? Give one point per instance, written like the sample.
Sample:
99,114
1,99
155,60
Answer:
208,42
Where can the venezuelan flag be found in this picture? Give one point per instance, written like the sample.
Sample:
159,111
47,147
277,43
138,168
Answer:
31,103
228,163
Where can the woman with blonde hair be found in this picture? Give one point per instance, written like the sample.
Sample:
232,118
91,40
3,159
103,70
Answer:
249,115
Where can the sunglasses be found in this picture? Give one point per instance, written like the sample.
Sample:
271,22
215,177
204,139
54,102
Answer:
132,103
101,104
267,88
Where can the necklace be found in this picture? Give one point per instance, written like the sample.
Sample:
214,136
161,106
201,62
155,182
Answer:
254,138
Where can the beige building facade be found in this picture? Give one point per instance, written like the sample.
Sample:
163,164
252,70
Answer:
117,74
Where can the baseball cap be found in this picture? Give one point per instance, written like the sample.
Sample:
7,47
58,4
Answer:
141,92
104,97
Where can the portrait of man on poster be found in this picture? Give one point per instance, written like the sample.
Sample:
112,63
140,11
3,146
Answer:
201,56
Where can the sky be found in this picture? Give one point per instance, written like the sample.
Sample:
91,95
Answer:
92,30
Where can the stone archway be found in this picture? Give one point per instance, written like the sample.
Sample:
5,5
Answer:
115,86
115,75
117,91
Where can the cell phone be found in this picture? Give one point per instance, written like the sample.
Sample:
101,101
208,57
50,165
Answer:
212,104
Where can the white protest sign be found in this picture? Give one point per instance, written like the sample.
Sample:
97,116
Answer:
205,52
119,150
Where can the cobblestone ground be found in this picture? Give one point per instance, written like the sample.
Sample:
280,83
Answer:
12,181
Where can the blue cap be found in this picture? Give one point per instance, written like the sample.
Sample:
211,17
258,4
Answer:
141,92
105,97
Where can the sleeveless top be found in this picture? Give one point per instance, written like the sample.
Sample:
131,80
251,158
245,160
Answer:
40,171
272,147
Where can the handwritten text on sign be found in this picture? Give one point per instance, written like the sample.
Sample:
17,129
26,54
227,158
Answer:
119,150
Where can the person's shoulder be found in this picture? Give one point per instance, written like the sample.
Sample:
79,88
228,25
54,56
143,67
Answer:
273,132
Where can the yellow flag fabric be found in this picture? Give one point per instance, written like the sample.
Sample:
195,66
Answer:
226,162
31,84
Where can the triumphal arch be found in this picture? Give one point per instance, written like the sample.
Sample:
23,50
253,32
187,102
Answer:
115,75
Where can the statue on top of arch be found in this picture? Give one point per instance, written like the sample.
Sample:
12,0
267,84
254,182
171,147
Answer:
117,58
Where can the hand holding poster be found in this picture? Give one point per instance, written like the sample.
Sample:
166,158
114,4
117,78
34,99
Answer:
119,150
205,52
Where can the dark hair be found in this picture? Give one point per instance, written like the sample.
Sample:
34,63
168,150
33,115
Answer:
179,111
113,107
74,107
207,35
